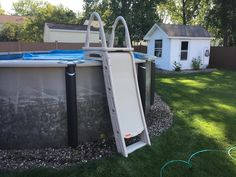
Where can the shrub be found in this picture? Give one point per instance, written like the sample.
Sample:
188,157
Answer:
177,66
11,32
196,63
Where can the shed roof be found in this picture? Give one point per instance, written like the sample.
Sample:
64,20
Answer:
184,30
173,30
70,27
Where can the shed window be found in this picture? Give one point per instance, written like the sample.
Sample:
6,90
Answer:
184,50
158,48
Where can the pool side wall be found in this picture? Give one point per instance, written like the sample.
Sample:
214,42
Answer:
33,107
33,111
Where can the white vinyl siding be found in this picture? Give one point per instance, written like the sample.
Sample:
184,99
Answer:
69,36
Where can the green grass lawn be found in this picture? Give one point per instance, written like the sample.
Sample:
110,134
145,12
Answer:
204,107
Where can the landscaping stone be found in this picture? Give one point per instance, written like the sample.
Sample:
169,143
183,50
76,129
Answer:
207,70
160,117
158,120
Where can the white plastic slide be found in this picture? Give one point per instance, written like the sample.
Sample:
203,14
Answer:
122,89
125,94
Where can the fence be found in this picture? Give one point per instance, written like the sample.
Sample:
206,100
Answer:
41,46
223,57
140,48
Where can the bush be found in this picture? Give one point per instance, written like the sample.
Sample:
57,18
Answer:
177,66
11,32
196,63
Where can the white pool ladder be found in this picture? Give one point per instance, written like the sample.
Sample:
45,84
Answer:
122,89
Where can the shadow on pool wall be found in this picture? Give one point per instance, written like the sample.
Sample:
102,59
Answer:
33,107
92,108
33,110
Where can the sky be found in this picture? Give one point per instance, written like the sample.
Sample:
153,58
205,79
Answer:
75,5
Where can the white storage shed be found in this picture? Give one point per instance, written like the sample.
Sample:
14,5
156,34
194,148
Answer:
69,33
178,43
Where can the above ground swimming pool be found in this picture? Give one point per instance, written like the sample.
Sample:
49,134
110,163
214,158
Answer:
34,97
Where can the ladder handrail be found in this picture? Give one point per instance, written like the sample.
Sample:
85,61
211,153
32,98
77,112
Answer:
101,29
127,36
107,54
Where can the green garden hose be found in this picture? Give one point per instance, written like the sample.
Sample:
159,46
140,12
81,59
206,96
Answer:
188,163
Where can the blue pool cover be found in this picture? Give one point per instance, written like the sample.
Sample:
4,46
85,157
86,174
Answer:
10,56
55,55
66,55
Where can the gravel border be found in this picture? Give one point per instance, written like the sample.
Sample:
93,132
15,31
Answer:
160,117
207,70
158,120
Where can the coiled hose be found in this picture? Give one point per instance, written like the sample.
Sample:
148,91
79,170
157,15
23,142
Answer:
189,161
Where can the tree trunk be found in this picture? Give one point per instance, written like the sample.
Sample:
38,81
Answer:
184,12
225,38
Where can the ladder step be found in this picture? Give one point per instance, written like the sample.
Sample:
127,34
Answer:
131,148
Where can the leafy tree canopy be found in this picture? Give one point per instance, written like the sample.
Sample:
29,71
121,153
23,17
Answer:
28,7
2,11
11,32
39,13
221,19
140,15
184,11
218,16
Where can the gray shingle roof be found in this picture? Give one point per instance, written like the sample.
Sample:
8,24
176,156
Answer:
69,27
184,30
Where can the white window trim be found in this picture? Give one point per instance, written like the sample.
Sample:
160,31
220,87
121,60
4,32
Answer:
184,50
158,49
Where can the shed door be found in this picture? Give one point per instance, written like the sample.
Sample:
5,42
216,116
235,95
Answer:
184,55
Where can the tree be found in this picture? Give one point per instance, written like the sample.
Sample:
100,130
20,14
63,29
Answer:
184,11
11,32
140,15
218,16
144,16
2,11
99,6
222,21
39,13
27,7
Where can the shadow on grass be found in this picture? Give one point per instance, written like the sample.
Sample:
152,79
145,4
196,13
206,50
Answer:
203,97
